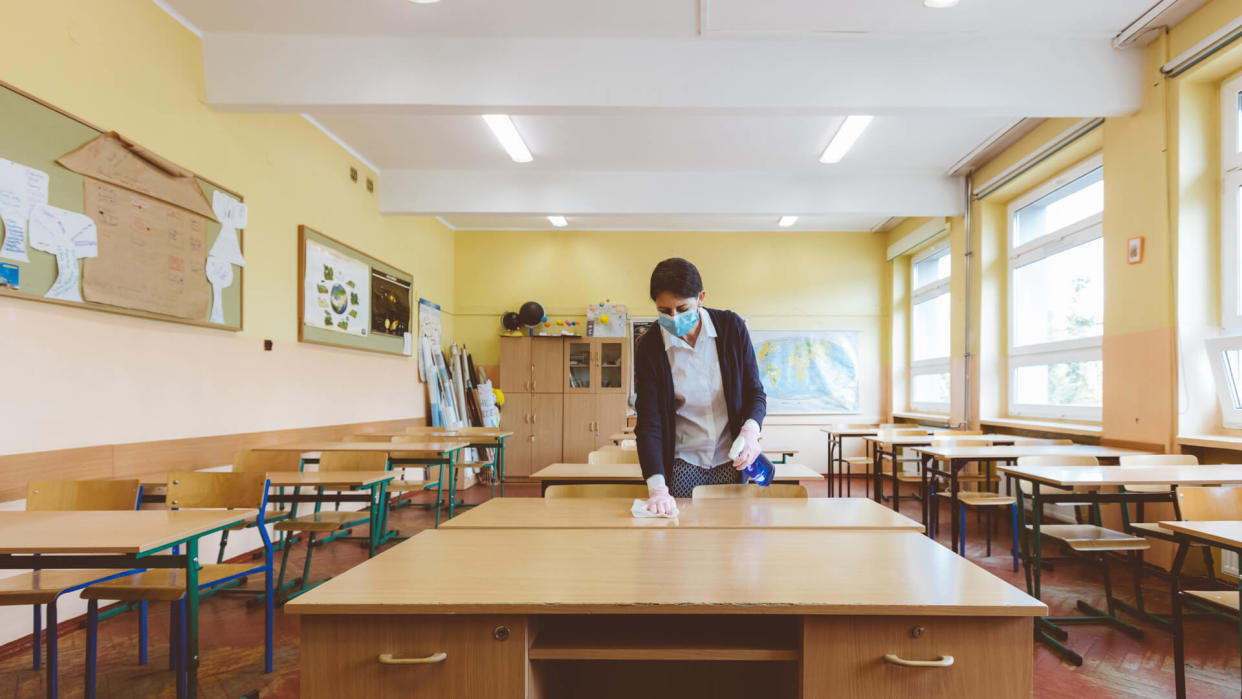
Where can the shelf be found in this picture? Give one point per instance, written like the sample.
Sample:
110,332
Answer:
640,641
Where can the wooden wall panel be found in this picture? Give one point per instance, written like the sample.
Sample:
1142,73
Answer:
81,463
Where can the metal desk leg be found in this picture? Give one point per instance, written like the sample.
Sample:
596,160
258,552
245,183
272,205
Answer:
828,475
376,523
1179,639
927,496
500,464
955,512
896,483
877,461
452,470
191,603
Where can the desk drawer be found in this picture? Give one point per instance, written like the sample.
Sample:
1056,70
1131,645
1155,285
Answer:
340,656
844,656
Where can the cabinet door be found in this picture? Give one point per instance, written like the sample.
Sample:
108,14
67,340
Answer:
579,427
546,411
610,365
547,355
609,417
579,366
515,374
515,418
484,656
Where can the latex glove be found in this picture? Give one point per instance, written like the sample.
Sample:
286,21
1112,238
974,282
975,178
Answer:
745,448
659,501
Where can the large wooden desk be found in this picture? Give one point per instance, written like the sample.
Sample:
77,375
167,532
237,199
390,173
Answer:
58,540
856,514
565,613
554,474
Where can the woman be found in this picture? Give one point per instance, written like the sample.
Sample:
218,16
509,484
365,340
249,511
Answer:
698,391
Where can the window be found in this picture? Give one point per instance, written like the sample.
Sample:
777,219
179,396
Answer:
929,329
1056,297
1231,196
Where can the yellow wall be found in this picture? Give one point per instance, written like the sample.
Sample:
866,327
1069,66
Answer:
126,65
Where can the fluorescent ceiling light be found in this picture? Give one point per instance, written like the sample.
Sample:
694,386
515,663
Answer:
509,138
845,138
936,4
787,221
558,221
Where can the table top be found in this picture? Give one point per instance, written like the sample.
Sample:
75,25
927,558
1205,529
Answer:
296,478
634,472
1099,476
1013,452
108,531
926,440
1224,533
849,432
691,571
491,434
435,447
724,513
621,436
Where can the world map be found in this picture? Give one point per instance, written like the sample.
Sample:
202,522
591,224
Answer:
808,372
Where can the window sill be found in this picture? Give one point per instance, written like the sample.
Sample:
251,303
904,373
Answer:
939,418
1211,441
1072,428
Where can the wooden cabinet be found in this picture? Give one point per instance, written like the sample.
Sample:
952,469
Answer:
596,365
515,418
579,435
546,412
546,354
484,657
515,372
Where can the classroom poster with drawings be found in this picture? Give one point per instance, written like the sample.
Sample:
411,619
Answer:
338,291
428,328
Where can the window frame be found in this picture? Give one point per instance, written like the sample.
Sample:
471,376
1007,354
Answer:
1231,415
1051,243
1231,191
919,295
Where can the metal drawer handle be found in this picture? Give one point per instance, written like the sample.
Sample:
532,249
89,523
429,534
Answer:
944,661
387,659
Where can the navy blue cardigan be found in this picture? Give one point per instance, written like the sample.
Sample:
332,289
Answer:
653,382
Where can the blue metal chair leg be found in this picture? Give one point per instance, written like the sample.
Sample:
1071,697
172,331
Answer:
142,633
173,635
37,636
92,645
269,614
961,530
1013,526
52,660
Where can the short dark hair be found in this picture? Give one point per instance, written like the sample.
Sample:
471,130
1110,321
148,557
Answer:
677,276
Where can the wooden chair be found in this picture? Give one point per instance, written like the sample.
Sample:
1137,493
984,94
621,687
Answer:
897,451
367,438
424,429
435,473
333,521
260,461
1206,504
748,490
613,456
849,462
590,490
44,587
189,490
1041,442
1139,460
984,499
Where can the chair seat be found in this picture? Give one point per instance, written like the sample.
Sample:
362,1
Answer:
271,517
1148,488
971,498
163,585
321,521
1088,537
44,586
857,459
1220,598
406,485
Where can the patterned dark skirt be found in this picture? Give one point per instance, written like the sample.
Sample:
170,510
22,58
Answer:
686,476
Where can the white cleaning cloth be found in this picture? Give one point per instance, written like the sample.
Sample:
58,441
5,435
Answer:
639,510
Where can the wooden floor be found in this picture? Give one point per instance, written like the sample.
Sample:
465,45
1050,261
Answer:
232,652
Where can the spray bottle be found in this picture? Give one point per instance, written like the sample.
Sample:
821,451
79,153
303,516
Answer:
760,471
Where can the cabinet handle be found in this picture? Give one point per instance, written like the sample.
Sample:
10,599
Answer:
387,659
943,661
534,418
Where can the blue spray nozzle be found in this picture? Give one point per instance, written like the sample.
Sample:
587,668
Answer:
760,472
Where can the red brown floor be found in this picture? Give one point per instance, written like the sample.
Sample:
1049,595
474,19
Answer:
1115,665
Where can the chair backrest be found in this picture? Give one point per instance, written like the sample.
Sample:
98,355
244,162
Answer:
613,456
225,489
852,426
748,490
945,441
111,494
1056,460
423,429
890,425
592,490
1038,441
886,434
260,461
367,438
951,433
1159,460
1207,504
353,461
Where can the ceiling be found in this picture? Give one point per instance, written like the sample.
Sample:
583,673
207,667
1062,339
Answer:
669,114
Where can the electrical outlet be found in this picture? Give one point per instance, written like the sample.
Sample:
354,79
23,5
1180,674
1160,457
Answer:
370,185
267,345
353,174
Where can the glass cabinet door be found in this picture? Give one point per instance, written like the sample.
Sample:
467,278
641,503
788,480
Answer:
611,366
578,366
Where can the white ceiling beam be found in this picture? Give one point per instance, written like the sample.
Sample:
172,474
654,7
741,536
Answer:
1022,77
449,192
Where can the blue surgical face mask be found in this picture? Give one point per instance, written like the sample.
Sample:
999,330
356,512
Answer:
680,323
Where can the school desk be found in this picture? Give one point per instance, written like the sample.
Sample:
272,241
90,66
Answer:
836,455
58,540
860,514
784,454
479,437
742,613
881,447
555,474
1086,482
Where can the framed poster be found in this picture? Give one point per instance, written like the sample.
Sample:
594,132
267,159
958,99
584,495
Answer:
390,304
808,372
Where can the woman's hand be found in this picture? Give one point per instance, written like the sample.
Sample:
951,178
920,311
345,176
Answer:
659,501
746,445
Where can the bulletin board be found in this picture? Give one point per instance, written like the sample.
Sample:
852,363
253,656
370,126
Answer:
346,298
36,135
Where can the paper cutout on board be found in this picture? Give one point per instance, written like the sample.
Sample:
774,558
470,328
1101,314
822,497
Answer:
220,274
113,159
232,215
21,189
337,292
407,348
69,236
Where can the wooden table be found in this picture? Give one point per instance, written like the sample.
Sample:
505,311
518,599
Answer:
879,447
1084,482
856,514
836,453
1226,535
479,438
557,474
503,612
57,540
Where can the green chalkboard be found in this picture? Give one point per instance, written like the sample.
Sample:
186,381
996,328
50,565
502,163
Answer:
316,323
35,134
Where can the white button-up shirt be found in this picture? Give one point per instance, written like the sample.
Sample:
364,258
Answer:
702,417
